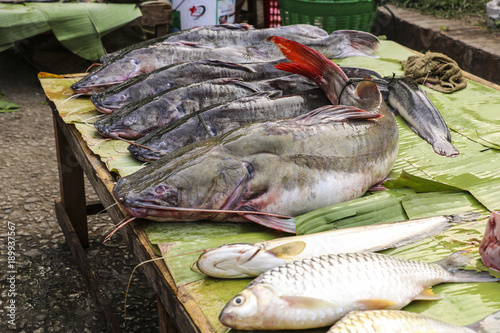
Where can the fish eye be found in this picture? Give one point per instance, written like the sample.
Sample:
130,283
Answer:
160,189
239,300
127,123
134,61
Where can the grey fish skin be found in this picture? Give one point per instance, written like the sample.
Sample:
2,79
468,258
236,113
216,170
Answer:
394,321
173,76
421,115
145,60
286,167
339,44
170,77
250,260
223,118
108,57
317,292
136,120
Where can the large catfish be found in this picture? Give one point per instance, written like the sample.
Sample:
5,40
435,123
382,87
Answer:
286,167
338,44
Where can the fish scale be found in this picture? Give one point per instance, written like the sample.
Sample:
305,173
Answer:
299,294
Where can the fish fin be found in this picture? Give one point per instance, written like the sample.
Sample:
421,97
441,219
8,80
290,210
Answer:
369,94
311,73
237,81
288,250
227,64
374,304
335,113
428,295
455,261
357,72
303,302
322,69
360,43
489,324
286,225
378,187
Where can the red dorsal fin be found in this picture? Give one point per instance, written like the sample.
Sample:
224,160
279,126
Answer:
301,54
312,64
311,73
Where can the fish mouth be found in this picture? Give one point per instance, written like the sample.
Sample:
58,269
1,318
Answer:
89,90
104,109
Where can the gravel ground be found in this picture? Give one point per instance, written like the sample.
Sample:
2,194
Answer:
42,289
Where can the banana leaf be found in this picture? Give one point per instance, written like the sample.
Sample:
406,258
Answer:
421,184
78,26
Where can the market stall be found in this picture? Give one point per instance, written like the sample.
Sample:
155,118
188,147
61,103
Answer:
423,184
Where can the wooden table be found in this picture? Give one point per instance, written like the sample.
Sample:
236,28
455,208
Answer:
179,310
75,159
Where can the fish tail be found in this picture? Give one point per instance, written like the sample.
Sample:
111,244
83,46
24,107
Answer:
359,43
489,324
464,217
454,264
286,225
313,65
445,148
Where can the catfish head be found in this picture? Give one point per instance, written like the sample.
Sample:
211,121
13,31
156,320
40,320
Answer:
138,119
200,184
108,75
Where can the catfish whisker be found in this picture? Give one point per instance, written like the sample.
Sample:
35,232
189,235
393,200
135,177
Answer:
103,210
76,110
137,144
145,262
213,211
99,142
92,65
119,226
118,151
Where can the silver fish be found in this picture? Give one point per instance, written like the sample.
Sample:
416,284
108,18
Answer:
138,119
317,292
220,119
250,260
339,44
121,92
145,60
394,321
174,76
285,167
421,115
490,244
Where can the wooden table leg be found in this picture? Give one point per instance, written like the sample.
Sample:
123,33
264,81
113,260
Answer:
166,322
71,184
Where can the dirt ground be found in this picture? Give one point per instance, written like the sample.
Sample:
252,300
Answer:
42,290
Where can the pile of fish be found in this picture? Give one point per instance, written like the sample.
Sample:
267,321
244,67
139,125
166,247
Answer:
318,291
234,43
243,124
234,140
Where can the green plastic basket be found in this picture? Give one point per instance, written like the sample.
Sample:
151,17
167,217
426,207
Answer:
329,14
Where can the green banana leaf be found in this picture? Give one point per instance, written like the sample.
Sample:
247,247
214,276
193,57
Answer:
422,184
78,26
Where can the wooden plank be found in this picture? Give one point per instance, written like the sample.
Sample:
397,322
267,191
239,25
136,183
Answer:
88,274
166,322
71,183
186,320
